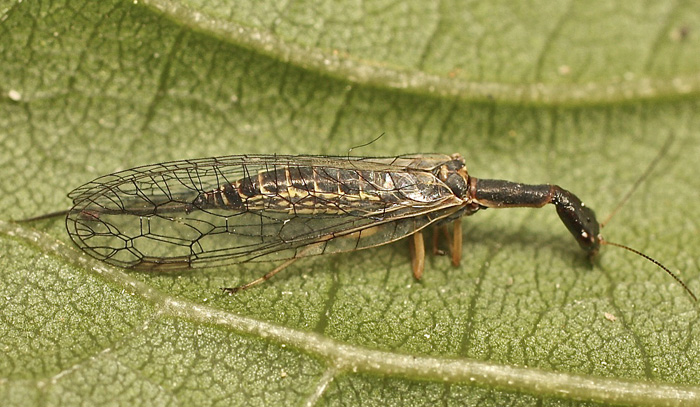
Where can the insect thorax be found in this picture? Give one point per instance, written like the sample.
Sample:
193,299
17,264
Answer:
454,174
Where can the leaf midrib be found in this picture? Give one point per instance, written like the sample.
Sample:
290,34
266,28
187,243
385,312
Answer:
346,358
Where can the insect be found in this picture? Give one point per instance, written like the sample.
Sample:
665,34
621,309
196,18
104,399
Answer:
232,209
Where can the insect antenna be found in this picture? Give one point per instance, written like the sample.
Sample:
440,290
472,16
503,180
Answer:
641,179
625,199
651,259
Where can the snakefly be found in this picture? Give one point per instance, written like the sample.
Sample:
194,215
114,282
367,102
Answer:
216,211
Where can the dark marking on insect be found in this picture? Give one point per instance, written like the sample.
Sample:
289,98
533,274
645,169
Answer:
215,211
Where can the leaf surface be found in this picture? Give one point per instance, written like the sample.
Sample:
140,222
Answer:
581,95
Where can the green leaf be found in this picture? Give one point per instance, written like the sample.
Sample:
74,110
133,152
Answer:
583,95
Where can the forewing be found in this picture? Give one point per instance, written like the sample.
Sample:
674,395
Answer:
199,171
145,218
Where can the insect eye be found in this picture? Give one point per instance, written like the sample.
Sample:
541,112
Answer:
582,223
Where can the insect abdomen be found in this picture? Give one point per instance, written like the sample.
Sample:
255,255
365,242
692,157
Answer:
308,189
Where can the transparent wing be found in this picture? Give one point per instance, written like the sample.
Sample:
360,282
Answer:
152,217
199,171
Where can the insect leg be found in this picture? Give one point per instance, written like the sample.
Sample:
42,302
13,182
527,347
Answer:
456,248
261,279
439,229
436,238
269,275
417,246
